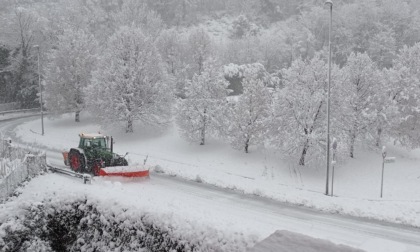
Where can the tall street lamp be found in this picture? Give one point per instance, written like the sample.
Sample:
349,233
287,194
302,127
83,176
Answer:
40,92
330,3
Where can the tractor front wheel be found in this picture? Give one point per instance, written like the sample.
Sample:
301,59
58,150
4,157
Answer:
96,166
77,161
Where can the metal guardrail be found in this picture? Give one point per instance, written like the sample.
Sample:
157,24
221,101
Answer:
87,178
19,111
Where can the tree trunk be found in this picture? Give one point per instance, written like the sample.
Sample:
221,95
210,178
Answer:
246,145
129,128
378,137
200,64
203,129
352,140
305,149
77,116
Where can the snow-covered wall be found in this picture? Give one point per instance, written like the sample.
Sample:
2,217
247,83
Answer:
16,165
9,106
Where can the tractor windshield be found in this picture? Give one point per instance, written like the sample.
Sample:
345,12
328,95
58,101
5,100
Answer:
93,143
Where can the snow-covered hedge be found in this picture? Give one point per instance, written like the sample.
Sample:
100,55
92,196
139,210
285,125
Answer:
85,225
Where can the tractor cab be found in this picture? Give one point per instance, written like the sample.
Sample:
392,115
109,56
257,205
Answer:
96,141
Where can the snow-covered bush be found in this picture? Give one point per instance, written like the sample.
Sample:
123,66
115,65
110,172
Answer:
84,225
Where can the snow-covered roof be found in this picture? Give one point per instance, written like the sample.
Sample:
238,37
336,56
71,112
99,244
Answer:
91,135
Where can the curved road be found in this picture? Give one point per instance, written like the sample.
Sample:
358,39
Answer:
250,215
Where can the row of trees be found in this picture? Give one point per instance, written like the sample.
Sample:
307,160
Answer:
120,61
369,105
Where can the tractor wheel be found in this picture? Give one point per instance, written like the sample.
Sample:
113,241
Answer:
96,166
77,161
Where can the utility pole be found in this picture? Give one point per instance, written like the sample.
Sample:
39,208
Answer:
40,92
330,3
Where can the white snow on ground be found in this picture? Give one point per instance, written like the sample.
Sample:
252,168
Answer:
261,172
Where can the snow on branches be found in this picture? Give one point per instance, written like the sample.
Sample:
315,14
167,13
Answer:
130,83
404,94
249,117
69,72
299,108
204,103
358,93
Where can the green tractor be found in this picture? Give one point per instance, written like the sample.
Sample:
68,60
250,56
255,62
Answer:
95,151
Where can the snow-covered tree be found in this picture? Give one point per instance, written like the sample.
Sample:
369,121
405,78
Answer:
170,45
300,108
69,71
358,97
24,74
135,13
248,119
200,48
198,113
235,74
242,27
130,83
404,92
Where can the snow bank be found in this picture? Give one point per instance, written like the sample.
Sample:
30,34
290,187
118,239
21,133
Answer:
286,241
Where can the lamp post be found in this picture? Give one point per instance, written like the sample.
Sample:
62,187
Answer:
40,93
330,3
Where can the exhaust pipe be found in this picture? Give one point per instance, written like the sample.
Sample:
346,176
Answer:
112,145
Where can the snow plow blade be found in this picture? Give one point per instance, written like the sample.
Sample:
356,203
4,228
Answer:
137,171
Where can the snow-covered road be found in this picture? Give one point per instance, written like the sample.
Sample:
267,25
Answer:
228,210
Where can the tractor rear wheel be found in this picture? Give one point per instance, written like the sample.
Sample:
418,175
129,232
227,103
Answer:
77,161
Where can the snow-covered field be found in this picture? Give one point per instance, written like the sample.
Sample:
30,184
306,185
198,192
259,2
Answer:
261,172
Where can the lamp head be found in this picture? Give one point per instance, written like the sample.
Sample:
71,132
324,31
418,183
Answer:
329,2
